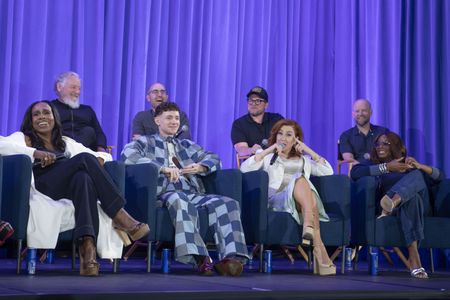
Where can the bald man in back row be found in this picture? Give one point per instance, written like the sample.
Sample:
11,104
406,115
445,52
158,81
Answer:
144,121
356,143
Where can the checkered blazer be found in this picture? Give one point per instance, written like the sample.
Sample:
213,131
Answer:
153,149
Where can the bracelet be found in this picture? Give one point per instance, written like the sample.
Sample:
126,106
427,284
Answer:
383,168
318,158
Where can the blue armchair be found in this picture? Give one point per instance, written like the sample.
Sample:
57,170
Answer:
15,197
263,226
386,231
140,192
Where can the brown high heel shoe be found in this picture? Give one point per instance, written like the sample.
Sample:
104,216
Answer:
127,227
319,267
308,228
88,263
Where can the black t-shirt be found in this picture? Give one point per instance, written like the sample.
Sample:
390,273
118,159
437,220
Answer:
245,129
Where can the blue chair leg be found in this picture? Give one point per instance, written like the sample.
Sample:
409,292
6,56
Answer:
149,256
431,260
19,256
74,255
261,257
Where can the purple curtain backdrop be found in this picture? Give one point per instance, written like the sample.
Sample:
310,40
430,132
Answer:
315,57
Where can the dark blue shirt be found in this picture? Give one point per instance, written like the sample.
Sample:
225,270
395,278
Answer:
81,124
355,142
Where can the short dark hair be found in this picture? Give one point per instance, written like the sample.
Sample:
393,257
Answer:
166,106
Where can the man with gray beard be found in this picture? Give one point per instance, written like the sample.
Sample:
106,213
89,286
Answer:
78,121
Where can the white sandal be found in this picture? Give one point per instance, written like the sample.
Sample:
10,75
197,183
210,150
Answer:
387,204
419,273
383,214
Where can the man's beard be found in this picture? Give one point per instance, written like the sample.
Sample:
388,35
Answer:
257,113
71,103
363,123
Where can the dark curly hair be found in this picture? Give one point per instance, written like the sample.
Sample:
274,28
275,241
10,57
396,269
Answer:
36,141
396,147
286,122
166,106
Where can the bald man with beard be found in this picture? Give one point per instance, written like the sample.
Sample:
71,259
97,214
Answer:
356,143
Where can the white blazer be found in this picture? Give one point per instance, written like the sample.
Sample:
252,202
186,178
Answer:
48,217
276,171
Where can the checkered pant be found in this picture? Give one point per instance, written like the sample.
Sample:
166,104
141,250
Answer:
223,215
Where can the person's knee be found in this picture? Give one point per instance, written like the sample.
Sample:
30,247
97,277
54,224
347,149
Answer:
178,200
85,159
417,175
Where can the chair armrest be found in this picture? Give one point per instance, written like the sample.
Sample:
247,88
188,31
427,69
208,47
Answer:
141,181
16,192
116,169
224,182
442,201
344,162
254,206
335,193
363,210
334,190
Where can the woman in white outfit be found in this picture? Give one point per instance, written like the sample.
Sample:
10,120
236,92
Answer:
289,163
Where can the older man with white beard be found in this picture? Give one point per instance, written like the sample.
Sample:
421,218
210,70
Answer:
78,121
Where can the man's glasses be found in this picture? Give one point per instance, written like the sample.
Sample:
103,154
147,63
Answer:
255,101
156,92
382,144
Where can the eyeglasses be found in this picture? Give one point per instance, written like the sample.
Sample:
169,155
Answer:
155,92
380,144
255,101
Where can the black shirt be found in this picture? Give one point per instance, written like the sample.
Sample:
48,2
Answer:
81,124
355,142
245,129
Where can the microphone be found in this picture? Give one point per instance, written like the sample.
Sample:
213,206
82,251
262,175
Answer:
59,156
264,143
275,155
183,128
177,162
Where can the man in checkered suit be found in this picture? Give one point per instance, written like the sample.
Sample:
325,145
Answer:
180,189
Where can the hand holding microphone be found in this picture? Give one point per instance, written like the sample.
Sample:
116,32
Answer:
278,149
190,169
183,128
45,158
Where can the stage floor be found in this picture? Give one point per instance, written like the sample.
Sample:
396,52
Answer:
287,281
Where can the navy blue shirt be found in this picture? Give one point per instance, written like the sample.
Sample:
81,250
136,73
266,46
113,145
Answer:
355,142
81,124
245,129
